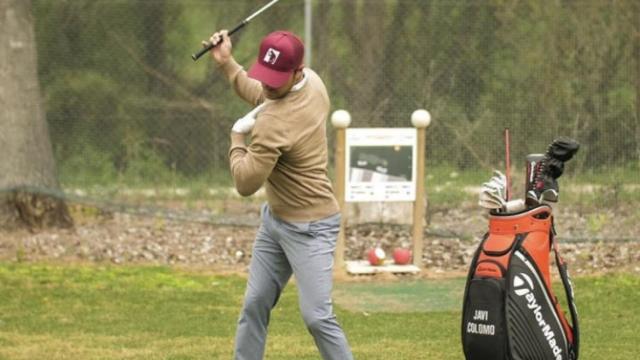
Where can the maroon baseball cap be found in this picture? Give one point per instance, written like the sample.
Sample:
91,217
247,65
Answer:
281,53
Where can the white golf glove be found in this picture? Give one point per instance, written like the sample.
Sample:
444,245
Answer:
246,123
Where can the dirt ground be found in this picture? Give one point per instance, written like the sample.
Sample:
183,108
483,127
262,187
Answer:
590,242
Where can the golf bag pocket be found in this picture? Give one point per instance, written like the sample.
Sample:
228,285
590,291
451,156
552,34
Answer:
509,309
484,334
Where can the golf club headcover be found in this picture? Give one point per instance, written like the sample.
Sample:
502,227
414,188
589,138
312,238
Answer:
563,149
558,152
509,309
553,167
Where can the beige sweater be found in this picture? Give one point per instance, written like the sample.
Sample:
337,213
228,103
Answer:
287,151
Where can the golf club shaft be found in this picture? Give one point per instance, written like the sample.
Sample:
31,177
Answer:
507,144
244,22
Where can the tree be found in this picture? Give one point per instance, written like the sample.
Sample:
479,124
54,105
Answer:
358,20
26,161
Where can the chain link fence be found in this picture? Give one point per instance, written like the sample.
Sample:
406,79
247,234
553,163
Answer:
135,122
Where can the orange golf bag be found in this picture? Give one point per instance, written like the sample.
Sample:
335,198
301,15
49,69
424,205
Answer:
509,309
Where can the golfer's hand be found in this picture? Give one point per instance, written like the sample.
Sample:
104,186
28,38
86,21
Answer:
222,52
245,124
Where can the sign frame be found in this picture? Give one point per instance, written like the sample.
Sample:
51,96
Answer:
379,178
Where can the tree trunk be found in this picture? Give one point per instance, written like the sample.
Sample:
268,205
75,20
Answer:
27,168
636,37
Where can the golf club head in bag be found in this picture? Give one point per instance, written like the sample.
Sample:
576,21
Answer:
493,193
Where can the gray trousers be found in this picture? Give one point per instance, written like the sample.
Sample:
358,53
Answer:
306,250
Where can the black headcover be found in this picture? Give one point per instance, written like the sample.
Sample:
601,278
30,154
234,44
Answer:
561,150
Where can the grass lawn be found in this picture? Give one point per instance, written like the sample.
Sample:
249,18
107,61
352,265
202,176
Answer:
118,312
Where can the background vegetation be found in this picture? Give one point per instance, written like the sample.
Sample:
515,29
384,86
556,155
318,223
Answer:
125,102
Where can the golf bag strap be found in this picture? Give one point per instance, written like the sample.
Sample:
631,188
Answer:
568,289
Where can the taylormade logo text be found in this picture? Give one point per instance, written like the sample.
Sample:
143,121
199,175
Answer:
524,288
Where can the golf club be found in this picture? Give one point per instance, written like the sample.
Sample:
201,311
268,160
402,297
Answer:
507,145
244,22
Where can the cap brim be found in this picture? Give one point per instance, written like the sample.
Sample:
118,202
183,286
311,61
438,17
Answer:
272,78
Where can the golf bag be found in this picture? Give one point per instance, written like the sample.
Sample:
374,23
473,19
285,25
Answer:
509,309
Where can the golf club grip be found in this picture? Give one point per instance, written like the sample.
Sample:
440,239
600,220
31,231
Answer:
205,49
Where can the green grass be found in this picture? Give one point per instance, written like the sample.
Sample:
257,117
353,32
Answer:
402,296
107,312
446,186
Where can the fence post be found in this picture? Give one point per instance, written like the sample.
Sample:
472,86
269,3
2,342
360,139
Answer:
420,119
308,36
340,119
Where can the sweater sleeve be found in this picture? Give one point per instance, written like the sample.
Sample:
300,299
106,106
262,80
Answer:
251,165
248,89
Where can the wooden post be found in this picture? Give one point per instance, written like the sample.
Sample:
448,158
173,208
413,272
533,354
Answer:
340,120
420,119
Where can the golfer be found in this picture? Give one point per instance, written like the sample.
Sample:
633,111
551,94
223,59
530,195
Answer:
284,148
